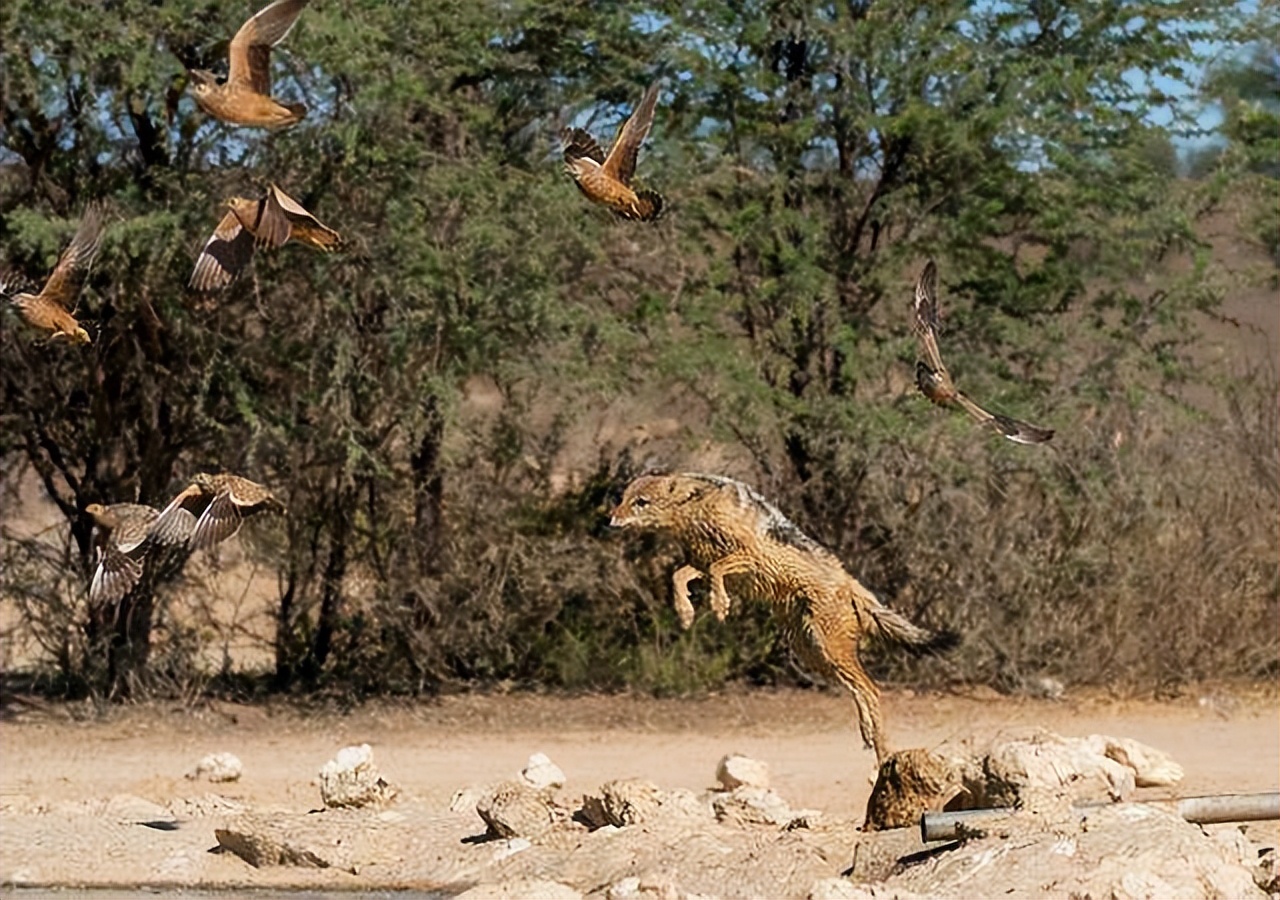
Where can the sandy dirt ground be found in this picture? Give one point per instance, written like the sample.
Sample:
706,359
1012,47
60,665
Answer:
1227,741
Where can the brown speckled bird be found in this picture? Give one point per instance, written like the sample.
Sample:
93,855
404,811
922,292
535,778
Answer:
737,540
245,97
607,179
933,379
271,221
222,500
52,309
124,537
513,809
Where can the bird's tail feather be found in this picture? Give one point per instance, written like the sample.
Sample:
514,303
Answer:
649,206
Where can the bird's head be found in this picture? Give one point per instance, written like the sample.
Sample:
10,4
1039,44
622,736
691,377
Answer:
931,383
71,332
201,81
244,209
97,510
205,481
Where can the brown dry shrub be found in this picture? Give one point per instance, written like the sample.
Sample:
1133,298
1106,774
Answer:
1133,548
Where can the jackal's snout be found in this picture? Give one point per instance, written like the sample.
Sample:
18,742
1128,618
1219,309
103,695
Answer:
623,515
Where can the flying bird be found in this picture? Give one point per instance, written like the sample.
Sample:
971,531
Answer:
933,379
52,309
271,221
245,97
125,534
607,179
222,500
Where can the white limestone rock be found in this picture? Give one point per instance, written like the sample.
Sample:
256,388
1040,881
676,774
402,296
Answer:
541,773
1151,767
736,770
218,768
351,779
745,806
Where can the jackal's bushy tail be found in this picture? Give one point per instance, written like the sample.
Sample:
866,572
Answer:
894,626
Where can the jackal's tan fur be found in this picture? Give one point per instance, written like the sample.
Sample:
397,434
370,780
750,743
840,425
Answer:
732,533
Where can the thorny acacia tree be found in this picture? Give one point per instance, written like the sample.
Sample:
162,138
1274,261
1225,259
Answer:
333,380
850,139
1246,89
811,151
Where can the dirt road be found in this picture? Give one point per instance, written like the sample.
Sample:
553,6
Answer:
1227,742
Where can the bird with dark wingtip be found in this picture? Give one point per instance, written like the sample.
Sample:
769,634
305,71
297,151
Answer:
270,221
222,500
933,379
53,308
124,537
245,97
606,180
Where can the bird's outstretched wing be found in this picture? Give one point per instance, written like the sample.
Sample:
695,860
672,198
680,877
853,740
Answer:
173,527
250,52
925,320
933,379
578,144
1014,429
177,522
115,576
220,520
224,257
297,222
272,226
621,162
68,276
122,542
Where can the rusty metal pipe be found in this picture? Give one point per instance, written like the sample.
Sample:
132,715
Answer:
946,826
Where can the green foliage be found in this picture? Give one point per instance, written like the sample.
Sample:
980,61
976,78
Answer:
1247,90
813,156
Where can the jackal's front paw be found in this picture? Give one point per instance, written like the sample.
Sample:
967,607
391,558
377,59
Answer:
720,604
680,594
684,612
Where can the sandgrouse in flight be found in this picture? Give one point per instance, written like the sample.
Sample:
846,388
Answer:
124,537
270,221
933,379
223,501
52,309
607,179
245,97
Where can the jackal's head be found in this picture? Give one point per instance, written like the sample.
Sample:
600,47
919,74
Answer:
652,501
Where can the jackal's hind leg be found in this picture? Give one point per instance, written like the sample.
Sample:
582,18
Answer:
680,579
831,649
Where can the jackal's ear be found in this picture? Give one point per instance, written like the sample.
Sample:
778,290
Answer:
698,491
